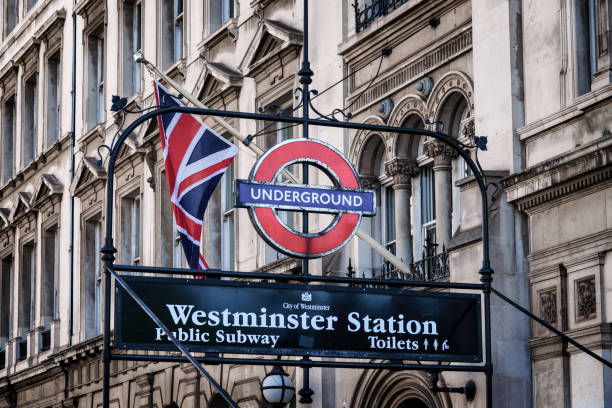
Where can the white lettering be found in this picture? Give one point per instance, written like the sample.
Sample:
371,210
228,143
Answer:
413,327
196,316
430,327
178,312
354,324
213,318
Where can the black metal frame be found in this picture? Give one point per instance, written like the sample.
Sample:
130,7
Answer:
305,362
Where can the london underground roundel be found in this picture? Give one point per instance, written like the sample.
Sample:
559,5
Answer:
264,194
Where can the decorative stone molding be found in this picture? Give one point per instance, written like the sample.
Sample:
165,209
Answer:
369,182
450,83
548,305
438,55
410,105
561,176
440,152
469,129
586,299
272,39
361,138
402,171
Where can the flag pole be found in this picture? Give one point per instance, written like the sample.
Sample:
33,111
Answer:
381,250
139,57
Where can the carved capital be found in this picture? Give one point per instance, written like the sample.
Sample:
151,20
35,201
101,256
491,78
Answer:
402,171
369,182
440,152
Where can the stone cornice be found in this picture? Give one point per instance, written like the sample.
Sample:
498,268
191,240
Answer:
569,251
561,175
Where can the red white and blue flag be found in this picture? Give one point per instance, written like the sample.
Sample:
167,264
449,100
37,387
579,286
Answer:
195,158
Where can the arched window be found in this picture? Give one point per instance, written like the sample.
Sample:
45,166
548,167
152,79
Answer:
413,403
218,402
453,115
371,169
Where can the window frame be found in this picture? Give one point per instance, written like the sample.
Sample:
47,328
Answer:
130,212
131,77
92,305
28,241
228,219
94,96
46,319
50,54
27,159
284,100
7,30
172,51
219,13
8,255
12,97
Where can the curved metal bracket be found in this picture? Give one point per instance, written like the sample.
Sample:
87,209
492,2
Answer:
469,389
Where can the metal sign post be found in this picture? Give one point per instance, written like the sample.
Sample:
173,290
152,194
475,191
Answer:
305,278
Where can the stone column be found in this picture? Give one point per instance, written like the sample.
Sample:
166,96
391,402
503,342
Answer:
402,171
442,155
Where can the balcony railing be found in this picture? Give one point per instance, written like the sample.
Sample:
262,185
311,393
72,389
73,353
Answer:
374,10
429,268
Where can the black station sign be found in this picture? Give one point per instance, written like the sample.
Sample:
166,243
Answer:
236,317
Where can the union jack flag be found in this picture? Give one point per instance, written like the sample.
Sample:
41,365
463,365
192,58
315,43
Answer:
195,158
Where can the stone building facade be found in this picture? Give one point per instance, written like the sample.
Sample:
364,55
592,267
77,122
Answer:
534,77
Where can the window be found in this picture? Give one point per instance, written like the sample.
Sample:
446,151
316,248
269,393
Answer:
130,229
8,139
278,132
95,78
171,251
53,98
172,32
29,120
30,4
26,289
12,13
218,402
428,206
49,282
6,294
92,279
585,45
220,12
227,206
389,217
132,35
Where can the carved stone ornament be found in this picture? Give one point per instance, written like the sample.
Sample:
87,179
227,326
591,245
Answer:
548,305
440,152
402,171
369,182
586,299
469,129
